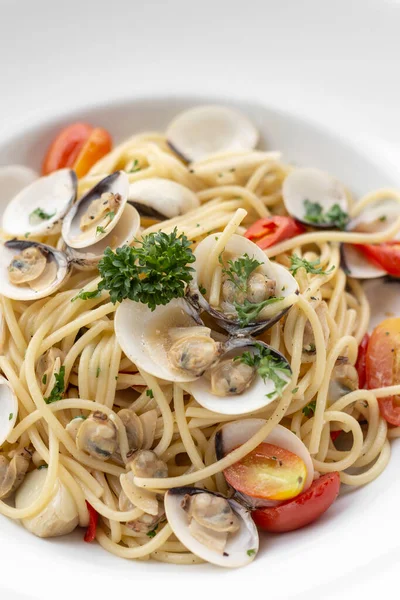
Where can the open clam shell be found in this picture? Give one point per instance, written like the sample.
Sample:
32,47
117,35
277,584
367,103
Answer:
204,130
236,433
57,270
304,185
14,178
8,409
143,335
161,199
39,208
237,246
123,234
257,395
356,265
242,545
117,185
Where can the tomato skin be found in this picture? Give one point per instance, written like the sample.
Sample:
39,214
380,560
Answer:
361,361
97,145
65,147
386,256
90,534
271,230
302,510
335,434
383,365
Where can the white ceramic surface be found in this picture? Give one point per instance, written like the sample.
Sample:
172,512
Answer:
335,62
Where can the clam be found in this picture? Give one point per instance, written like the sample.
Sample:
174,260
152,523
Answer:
46,363
236,433
133,426
147,522
204,130
59,516
269,282
161,199
30,271
170,342
13,178
145,463
314,197
8,409
373,218
233,387
97,436
97,213
124,233
39,208
217,529
12,472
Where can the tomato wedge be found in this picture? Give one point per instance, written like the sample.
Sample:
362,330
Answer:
383,366
361,361
98,145
302,510
271,230
386,256
65,147
90,534
269,472
78,146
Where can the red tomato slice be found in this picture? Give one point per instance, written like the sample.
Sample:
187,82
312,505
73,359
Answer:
300,511
90,534
361,360
269,472
383,366
386,256
98,145
335,434
271,230
66,146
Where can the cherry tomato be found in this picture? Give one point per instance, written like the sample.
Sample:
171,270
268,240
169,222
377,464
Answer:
269,472
271,230
98,145
386,256
302,510
66,146
335,434
383,366
361,360
90,534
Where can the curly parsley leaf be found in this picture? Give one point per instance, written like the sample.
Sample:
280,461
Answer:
309,409
100,230
153,272
86,295
240,270
269,366
297,263
58,388
335,216
248,311
152,533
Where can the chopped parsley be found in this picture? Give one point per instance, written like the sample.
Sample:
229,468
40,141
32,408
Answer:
251,552
43,467
269,366
310,266
153,532
100,230
44,379
149,393
10,416
135,166
58,388
310,349
98,370
309,409
383,218
86,295
335,216
248,311
202,290
110,215
39,215
27,234
295,390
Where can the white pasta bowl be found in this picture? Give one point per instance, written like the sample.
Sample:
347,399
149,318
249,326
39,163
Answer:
357,529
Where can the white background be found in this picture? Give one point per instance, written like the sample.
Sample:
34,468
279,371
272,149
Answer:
337,62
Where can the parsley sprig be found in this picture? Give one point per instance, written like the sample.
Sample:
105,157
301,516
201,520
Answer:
82,295
153,272
238,273
309,409
269,366
39,215
58,388
310,266
335,216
